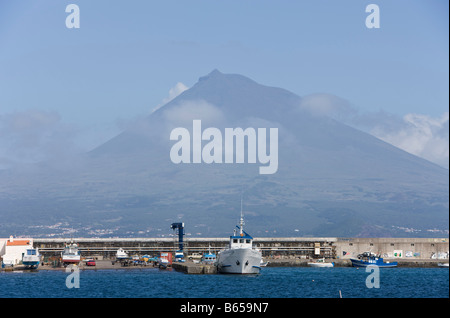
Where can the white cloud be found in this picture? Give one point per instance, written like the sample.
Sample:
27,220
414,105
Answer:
184,113
421,135
173,92
327,104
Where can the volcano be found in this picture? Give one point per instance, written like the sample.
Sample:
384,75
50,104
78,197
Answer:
331,179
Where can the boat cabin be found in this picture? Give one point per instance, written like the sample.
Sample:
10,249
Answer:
209,258
31,252
72,250
241,241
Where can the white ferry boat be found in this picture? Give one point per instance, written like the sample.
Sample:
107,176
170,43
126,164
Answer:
240,257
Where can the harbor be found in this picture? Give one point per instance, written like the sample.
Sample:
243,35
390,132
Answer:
192,268
311,262
276,252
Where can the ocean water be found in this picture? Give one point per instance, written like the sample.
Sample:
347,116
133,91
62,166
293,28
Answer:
273,282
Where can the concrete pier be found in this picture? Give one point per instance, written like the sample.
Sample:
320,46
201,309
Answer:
192,268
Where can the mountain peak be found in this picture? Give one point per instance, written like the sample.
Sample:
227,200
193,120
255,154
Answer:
213,73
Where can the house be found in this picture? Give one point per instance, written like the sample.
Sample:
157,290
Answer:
12,249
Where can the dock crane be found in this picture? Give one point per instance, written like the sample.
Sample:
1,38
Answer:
179,227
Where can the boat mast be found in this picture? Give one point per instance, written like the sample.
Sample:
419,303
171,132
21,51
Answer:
241,222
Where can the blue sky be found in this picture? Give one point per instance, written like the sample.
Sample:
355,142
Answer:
85,85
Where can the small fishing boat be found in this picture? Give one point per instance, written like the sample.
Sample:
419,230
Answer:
321,263
165,260
208,257
179,256
370,259
443,265
71,254
121,254
31,258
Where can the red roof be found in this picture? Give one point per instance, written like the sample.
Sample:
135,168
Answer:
17,242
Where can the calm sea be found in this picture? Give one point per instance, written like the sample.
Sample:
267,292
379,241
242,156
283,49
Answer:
273,282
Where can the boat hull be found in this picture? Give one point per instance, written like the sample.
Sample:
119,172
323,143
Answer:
321,264
31,263
361,263
239,261
71,259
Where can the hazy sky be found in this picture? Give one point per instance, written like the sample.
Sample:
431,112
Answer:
67,89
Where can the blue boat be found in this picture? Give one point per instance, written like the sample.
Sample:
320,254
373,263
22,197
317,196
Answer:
209,257
179,256
370,259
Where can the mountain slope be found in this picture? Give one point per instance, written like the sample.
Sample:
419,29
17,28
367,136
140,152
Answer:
332,180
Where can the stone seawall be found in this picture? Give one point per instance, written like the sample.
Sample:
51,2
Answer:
347,263
199,269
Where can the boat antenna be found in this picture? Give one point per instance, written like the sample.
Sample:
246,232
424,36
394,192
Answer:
241,223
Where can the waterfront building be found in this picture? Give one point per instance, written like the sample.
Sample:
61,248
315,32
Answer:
13,249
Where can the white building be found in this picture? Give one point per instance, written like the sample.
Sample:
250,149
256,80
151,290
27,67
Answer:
12,249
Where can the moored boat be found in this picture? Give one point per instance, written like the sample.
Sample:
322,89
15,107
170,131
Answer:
209,257
370,259
179,256
240,257
321,263
443,265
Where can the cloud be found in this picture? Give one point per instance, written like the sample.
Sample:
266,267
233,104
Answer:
183,114
421,135
173,92
33,135
322,104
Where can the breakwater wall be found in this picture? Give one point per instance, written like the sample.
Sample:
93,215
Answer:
347,263
287,248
